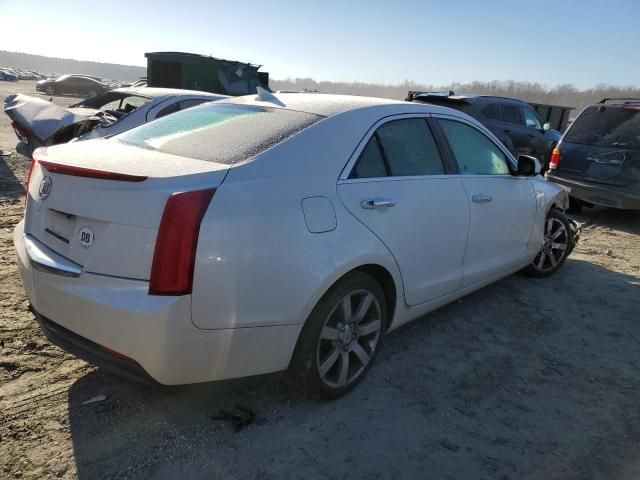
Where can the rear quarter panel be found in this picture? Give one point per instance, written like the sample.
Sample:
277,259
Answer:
257,263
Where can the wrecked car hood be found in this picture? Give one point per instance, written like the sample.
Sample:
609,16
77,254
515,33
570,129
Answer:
41,118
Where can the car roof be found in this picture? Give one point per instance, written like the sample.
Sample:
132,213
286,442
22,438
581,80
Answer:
461,97
156,92
316,103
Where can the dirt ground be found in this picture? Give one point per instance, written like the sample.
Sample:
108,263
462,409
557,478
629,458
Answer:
525,379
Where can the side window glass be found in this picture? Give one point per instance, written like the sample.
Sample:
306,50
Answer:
510,113
492,111
191,103
371,163
167,110
531,119
409,148
475,153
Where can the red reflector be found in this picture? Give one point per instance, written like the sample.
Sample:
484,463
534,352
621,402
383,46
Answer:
555,158
90,172
117,354
175,252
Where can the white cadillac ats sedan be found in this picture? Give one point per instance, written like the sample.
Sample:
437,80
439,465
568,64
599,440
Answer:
274,232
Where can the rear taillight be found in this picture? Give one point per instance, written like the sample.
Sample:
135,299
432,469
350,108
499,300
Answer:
21,133
555,158
175,252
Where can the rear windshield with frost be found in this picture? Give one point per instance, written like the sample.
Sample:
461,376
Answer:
218,132
607,127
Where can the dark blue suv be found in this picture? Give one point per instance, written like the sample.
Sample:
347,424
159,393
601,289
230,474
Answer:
598,157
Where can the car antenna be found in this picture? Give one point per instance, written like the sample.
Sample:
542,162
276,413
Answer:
266,96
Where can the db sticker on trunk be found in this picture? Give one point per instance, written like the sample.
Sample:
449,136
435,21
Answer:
85,236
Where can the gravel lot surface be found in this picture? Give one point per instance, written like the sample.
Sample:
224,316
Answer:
525,379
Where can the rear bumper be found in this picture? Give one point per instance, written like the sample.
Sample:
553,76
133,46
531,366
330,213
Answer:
91,352
91,314
598,194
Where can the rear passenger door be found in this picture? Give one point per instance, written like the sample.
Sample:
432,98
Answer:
397,185
502,206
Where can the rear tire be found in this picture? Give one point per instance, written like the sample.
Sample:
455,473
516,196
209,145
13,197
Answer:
558,242
341,338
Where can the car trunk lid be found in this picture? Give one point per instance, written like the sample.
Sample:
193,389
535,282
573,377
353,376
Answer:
41,119
99,203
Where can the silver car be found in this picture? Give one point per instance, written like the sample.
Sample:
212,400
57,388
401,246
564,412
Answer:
38,122
260,234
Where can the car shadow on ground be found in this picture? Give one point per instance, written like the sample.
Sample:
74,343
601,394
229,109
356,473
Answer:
506,383
10,185
625,220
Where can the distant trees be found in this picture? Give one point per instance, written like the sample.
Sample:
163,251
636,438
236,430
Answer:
566,94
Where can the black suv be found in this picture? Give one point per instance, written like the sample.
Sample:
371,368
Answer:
598,157
514,122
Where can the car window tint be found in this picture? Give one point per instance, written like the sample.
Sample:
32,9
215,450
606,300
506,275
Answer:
219,132
475,153
510,113
174,107
409,147
184,104
606,127
531,119
492,111
370,164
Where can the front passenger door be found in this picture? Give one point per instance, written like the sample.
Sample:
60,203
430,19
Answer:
502,206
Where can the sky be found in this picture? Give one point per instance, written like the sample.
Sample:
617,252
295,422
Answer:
582,42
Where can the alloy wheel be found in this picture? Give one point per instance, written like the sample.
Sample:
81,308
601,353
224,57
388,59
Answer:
349,338
554,247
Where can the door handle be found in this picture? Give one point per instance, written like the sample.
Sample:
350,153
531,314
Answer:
481,198
376,203
506,130
532,135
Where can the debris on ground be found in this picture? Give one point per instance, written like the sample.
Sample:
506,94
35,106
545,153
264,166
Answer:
239,418
98,398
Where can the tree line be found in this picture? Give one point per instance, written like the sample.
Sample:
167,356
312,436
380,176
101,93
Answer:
566,95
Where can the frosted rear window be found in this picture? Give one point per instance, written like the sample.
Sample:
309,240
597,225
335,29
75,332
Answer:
222,133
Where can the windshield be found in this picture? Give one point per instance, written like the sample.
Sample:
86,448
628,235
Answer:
604,126
222,133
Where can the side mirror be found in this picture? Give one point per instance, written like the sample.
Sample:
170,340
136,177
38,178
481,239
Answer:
528,166
546,127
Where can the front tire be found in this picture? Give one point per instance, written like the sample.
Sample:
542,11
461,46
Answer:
341,338
50,90
558,242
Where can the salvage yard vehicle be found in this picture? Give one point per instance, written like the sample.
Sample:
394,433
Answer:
598,157
513,121
275,232
73,84
40,123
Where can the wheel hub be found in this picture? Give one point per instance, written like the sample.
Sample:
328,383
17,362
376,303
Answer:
347,334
